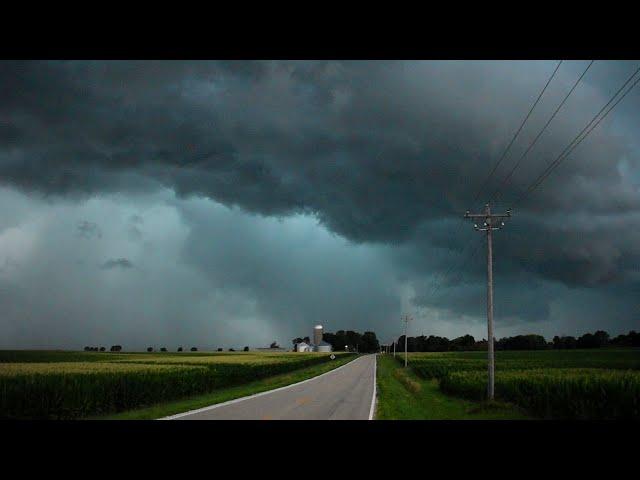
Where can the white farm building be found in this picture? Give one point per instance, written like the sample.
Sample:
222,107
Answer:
318,345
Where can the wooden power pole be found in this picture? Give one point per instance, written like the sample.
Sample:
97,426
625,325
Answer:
492,222
406,324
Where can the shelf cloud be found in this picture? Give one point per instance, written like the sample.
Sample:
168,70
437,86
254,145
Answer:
282,194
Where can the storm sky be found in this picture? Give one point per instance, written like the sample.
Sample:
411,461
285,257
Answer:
223,204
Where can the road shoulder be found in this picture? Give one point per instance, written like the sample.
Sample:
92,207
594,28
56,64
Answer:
402,395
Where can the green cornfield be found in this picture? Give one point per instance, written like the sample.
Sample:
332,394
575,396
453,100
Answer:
85,386
557,393
436,365
571,384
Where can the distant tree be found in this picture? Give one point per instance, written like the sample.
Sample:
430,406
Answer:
274,345
179,349
330,338
194,349
586,341
522,342
102,349
163,349
632,339
340,340
149,349
220,349
245,349
231,350
593,340
564,343
369,343
86,349
295,341
466,342
115,348
602,338
621,341
431,343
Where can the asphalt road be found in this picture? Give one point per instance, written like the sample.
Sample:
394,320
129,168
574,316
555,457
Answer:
346,393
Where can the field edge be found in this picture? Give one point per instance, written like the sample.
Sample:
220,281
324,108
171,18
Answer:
402,395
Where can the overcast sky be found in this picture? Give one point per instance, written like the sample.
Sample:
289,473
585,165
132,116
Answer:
223,204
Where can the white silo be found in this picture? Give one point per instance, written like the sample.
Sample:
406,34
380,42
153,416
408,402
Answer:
317,335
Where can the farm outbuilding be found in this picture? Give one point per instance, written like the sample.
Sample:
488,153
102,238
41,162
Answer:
323,347
318,344
303,347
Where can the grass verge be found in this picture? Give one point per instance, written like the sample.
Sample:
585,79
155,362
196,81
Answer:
402,395
225,394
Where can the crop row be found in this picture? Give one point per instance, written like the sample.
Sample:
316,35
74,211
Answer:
438,366
41,356
557,393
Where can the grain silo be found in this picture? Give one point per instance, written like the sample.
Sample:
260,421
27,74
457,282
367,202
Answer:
317,335
317,345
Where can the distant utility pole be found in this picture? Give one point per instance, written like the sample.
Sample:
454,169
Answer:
394,349
492,221
406,324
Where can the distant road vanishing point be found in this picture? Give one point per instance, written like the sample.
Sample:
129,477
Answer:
346,393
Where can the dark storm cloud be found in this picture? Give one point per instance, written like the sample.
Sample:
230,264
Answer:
88,229
379,152
295,275
117,263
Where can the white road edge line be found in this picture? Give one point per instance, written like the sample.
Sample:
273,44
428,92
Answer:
267,392
373,398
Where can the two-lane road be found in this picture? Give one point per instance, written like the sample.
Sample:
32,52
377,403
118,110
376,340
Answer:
346,393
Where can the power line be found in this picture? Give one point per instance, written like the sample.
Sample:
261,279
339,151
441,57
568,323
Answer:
504,154
495,167
580,137
507,178
489,225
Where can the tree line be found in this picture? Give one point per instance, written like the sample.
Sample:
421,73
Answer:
349,340
118,348
598,339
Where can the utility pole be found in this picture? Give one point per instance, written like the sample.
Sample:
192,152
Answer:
406,324
491,222
394,349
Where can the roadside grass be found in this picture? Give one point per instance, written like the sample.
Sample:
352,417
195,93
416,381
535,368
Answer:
402,395
165,409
